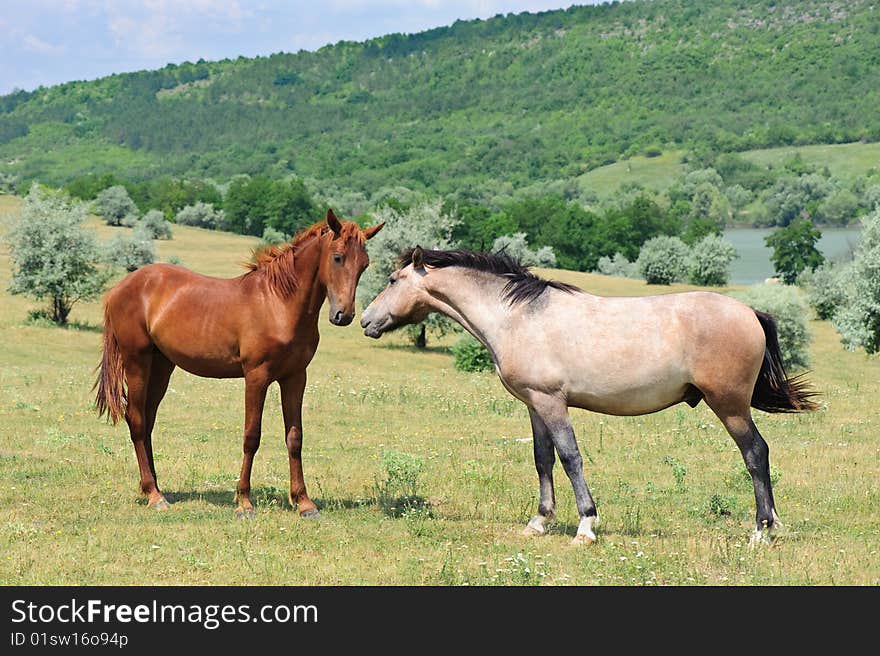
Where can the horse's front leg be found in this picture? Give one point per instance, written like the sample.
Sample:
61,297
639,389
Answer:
544,461
254,399
291,405
554,413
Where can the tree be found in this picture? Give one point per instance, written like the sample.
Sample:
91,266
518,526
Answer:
858,318
794,249
709,261
114,204
663,260
54,257
424,225
710,211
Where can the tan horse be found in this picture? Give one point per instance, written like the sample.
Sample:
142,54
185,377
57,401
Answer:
556,346
261,326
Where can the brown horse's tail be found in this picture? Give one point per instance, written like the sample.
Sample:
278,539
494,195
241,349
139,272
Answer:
110,398
774,390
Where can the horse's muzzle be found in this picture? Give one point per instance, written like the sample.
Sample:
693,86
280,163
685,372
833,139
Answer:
340,318
372,328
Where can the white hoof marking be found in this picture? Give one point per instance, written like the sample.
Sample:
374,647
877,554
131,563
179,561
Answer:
535,526
585,533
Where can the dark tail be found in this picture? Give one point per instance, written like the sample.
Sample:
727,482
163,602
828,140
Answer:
774,390
110,398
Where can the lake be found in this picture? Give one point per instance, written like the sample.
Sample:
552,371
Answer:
753,264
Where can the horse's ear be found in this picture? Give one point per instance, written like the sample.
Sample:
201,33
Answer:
369,233
418,258
333,222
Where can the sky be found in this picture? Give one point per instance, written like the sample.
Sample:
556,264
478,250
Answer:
46,42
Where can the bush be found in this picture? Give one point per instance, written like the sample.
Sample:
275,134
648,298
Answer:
54,257
617,266
790,312
272,236
133,251
709,261
517,247
155,225
471,355
114,204
826,290
858,319
663,260
200,215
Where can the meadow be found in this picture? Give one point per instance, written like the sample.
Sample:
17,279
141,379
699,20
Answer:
424,474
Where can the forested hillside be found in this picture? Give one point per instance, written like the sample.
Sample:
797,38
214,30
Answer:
477,107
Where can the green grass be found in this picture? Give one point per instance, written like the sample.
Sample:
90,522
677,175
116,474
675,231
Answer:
674,504
844,161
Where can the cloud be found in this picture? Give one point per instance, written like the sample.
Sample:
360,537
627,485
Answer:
33,43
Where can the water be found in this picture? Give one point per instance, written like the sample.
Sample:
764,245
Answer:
753,264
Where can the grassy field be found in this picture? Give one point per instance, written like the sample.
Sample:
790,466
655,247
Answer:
675,504
844,161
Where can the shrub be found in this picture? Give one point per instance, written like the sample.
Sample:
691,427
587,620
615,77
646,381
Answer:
663,260
398,491
114,204
200,215
617,266
155,225
709,261
517,247
53,256
131,251
471,355
790,312
826,290
273,236
858,319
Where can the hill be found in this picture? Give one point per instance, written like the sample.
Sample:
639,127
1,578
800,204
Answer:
508,102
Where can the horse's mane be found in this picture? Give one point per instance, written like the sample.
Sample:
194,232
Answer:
278,261
522,286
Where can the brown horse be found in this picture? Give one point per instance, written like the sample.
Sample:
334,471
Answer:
262,326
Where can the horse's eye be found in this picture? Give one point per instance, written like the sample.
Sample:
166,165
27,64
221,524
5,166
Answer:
391,280
337,258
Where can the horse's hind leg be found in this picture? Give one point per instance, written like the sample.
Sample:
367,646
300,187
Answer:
554,413
544,461
160,373
737,419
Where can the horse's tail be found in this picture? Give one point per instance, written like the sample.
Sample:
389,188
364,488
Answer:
110,398
774,390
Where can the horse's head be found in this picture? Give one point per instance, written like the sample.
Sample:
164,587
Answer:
343,260
403,301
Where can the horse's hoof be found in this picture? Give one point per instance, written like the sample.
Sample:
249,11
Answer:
311,513
583,538
245,513
535,527
161,504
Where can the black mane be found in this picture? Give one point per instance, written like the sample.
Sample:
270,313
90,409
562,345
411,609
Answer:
522,286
